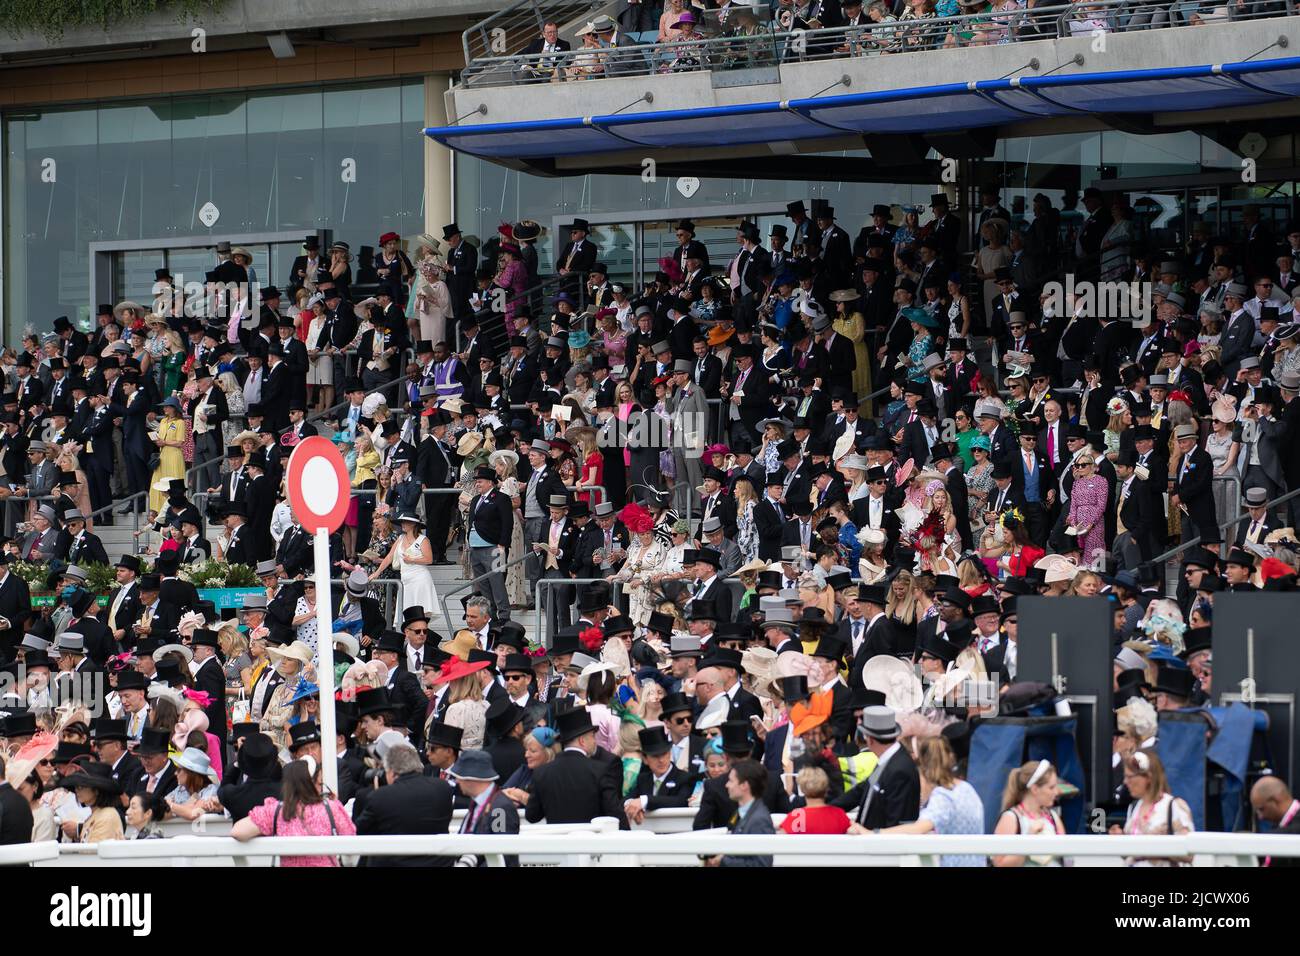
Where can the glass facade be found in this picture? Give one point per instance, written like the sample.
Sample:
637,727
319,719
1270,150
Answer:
269,161
632,226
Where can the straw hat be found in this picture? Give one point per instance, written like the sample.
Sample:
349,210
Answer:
469,443
297,651
127,304
758,564
461,643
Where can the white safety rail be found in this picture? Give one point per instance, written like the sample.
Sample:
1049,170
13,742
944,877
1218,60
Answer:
601,844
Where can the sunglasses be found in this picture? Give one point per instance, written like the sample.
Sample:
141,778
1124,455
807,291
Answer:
680,720
418,630
517,676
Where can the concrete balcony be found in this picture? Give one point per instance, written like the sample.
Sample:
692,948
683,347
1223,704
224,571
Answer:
1154,79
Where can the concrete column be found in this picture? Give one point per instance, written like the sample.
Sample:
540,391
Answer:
438,176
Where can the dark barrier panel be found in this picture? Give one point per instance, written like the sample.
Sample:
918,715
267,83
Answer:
1079,628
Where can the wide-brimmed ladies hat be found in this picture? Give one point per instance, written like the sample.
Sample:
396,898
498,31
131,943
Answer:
469,443
126,304
180,649
454,668
97,775
461,643
297,651
407,517
527,229
195,760
504,454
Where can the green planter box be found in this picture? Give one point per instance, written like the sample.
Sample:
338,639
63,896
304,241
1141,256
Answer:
228,598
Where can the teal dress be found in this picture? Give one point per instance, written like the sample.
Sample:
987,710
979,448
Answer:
916,354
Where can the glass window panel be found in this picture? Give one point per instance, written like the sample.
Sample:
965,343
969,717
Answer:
133,275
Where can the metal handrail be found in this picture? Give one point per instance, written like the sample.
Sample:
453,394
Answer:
528,16
872,39
1224,526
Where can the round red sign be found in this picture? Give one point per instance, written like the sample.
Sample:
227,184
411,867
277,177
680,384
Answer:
318,485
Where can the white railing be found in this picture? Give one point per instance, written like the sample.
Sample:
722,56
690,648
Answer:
601,844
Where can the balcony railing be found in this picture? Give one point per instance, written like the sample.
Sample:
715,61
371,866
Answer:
743,44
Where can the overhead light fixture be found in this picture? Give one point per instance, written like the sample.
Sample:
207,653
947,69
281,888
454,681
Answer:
281,46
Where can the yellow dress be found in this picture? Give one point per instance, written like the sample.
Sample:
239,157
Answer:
853,328
171,463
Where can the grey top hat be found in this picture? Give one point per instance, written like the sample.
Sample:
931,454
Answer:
72,571
771,602
48,513
539,445
778,617
685,645
1158,381
661,347
358,583
1256,497
791,552
604,509
33,643
1238,290
473,765
555,342
933,360
1250,361
821,323
37,445
73,515
879,722
1289,381
254,602
558,501
681,365
265,567
71,641
711,524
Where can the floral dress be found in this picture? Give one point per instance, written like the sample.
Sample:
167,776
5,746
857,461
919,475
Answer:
516,580
641,562
747,533
916,354
1087,509
979,479
381,544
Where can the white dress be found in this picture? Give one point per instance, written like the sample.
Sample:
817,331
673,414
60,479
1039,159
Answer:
417,579
320,371
642,562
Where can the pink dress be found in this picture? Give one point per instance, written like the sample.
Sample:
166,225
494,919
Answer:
515,280
1087,508
312,820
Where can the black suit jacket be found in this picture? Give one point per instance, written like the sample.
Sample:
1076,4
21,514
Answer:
166,782
16,605
1194,492
717,809
412,803
886,799
571,789
675,791
494,520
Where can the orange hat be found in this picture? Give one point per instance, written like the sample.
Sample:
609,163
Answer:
805,716
717,335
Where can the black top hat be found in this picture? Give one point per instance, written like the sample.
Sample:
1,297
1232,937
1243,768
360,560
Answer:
301,734
517,664
153,741
1196,639
1178,681
654,741
131,680
1240,556
573,723
936,646
723,657
444,735
503,716
1130,683
374,700
735,737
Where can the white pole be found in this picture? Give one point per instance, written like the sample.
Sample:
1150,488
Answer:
325,668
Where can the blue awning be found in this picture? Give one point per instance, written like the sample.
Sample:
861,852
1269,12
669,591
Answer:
915,110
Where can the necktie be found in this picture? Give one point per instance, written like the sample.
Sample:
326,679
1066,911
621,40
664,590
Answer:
153,780
658,784
857,634
1051,444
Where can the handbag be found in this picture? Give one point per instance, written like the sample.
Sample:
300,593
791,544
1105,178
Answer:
240,709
